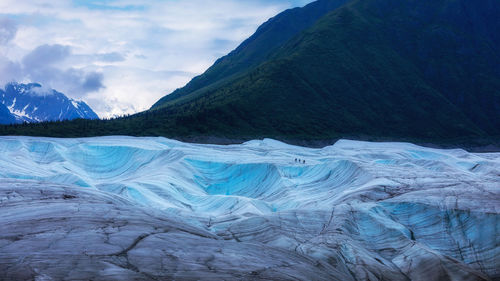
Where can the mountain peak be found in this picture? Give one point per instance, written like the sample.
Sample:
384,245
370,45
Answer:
21,88
34,103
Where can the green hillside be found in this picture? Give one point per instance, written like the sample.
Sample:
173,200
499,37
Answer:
372,67
257,48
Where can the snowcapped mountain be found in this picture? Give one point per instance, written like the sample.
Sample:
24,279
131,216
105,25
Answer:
33,103
123,208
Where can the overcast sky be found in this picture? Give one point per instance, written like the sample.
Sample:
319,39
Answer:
120,56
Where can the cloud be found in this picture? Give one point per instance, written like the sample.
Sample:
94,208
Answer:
9,71
74,82
42,65
110,57
8,29
46,55
42,91
93,82
45,65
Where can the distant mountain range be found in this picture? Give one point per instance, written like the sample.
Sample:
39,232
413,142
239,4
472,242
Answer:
32,103
426,70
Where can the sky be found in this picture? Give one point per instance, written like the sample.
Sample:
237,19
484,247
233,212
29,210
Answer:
121,56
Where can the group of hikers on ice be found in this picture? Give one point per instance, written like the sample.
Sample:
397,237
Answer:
300,161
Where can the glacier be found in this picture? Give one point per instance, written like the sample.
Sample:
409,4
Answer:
126,208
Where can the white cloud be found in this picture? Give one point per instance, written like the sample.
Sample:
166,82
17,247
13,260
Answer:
122,56
46,55
8,29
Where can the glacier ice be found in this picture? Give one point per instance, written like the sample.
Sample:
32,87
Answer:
115,208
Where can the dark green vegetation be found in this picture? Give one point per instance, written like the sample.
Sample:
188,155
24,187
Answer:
258,48
424,71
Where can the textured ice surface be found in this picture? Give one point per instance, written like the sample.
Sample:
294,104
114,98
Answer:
119,208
